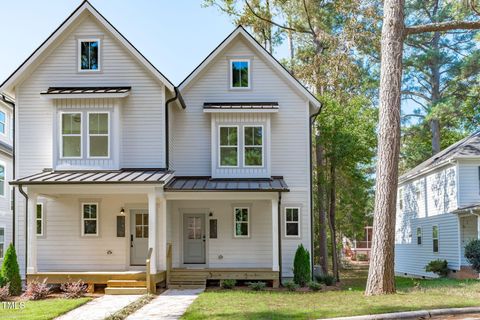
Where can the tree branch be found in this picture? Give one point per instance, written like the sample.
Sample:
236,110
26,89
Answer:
442,26
413,115
308,17
417,94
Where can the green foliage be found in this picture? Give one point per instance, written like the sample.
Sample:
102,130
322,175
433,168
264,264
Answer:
228,283
290,285
326,279
362,257
472,254
314,286
257,286
439,267
301,266
11,271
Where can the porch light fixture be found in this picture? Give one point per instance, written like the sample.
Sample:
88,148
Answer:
122,211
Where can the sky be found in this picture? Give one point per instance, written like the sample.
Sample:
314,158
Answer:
175,35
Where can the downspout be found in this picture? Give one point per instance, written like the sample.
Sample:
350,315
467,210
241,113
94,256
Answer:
20,188
7,101
279,231
167,131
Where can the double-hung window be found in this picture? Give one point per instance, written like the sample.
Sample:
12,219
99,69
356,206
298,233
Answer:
2,242
98,135
240,74
3,122
253,146
292,222
435,238
419,236
90,219
228,152
71,134
39,219
89,55
241,222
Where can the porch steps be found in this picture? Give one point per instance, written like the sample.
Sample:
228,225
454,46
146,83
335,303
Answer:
187,280
120,287
125,290
126,283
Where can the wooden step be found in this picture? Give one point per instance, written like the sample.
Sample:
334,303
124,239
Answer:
186,286
125,290
126,283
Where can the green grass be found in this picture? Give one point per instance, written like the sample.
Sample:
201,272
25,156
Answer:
41,309
412,294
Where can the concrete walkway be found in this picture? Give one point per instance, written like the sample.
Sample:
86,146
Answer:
170,305
100,308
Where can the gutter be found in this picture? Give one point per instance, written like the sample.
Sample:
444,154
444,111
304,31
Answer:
11,103
167,131
20,189
279,231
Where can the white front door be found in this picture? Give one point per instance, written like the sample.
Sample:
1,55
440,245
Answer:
138,236
194,238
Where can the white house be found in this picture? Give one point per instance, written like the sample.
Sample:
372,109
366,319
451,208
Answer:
438,210
136,180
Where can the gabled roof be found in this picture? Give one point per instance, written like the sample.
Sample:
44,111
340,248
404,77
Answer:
466,148
84,7
241,32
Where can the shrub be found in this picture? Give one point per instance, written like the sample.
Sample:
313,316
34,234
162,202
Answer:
4,292
228,283
257,286
36,290
11,272
314,286
362,257
472,254
326,279
72,290
439,267
290,285
301,266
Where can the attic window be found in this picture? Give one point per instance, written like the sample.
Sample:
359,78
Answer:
240,74
89,55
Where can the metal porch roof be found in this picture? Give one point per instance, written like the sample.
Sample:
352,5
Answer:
274,184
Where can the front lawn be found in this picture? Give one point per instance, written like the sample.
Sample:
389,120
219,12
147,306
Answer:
412,294
39,310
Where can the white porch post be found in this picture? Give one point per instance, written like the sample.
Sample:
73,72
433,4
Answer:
162,234
275,235
478,227
152,230
32,234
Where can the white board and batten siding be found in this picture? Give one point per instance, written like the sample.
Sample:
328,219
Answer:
469,182
191,150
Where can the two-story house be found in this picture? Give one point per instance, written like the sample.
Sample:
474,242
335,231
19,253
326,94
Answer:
438,210
126,179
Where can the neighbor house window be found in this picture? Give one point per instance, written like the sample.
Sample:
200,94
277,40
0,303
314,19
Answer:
292,222
89,50
71,135
240,74
3,122
400,199
419,236
98,135
253,146
89,219
2,242
435,238
228,146
2,180
242,221
39,219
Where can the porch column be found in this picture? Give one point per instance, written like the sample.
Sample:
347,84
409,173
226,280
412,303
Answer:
32,233
275,266
152,230
478,226
162,234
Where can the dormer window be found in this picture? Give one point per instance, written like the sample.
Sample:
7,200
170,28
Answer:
71,135
240,74
98,134
89,55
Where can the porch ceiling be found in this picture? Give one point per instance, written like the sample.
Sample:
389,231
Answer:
274,184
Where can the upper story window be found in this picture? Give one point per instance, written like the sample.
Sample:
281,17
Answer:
71,135
253,146
98,135
3,122
89,55
228,146
240,73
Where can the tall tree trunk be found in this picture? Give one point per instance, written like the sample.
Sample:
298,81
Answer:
331,220
381,275
322,214
435,129
435,85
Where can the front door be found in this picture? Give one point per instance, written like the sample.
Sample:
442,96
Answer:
138,236
194,238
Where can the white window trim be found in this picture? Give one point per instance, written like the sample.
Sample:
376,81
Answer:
248,61
79,54
60,147
96,220
220,146
42,220
4,133
247,146
5,184
235,223
421,236
98,135
3,243
297,222
438,238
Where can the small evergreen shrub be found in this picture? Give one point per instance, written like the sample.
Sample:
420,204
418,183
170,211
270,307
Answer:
439,267
4,292
228,283
73,290
257,286
472,254
36,290
326,279
314,286
11,271
301,266
290,285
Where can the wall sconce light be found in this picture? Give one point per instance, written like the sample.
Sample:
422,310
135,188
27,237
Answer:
122,211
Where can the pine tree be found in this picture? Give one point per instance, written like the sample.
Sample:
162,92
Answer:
301,266
11,271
